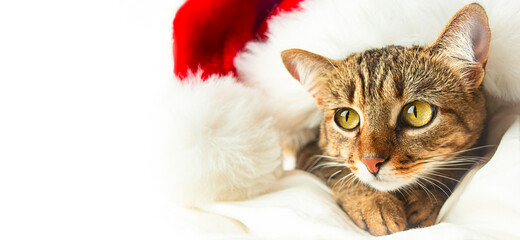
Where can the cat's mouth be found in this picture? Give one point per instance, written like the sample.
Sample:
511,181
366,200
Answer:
385,180
386,185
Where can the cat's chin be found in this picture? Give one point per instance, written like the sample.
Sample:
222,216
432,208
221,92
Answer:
384,184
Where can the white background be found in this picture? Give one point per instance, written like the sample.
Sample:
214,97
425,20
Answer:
80,88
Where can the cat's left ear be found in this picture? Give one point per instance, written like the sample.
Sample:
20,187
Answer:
466,39
307,68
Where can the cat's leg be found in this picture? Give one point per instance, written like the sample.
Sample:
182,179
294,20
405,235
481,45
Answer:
424,202
380,213
423,206
377,212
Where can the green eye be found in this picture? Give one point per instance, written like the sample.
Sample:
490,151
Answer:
346,118
417,114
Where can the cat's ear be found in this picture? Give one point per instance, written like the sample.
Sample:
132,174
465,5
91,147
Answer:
306,67
466,39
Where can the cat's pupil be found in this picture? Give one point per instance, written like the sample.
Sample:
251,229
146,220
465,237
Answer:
345,115
413,110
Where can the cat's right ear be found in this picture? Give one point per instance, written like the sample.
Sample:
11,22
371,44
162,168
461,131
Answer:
307,67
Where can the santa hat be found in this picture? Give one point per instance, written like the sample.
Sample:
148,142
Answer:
222,142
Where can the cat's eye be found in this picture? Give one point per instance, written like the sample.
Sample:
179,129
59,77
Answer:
417,114
346,118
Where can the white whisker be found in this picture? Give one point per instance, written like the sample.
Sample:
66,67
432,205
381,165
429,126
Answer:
328,157
327,165
435,185
334,174
341,179
451,169
314,163
349,180
462,151
442,176
433,179
428,192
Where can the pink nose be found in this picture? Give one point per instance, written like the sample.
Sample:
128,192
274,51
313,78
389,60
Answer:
372,164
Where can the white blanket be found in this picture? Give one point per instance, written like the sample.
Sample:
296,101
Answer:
301,207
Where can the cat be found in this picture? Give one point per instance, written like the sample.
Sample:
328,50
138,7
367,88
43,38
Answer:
396,122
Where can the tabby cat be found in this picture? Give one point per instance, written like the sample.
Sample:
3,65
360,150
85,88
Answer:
396,122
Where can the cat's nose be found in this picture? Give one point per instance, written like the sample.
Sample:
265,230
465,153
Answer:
373,164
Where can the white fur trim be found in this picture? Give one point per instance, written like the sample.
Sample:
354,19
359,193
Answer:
220,142
337,28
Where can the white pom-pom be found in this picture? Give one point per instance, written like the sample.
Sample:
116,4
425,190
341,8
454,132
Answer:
220,142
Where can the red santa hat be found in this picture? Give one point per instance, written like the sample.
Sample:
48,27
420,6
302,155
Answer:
209,34
222,142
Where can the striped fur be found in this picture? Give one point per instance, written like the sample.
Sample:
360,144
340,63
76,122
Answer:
422,165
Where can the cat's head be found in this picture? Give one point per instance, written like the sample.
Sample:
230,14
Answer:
395,114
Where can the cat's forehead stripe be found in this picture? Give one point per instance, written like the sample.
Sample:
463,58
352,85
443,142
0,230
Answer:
394,74
375,71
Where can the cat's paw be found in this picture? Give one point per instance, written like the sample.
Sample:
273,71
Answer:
380,214
421,209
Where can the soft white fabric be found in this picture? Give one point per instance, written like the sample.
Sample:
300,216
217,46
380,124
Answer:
301,207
